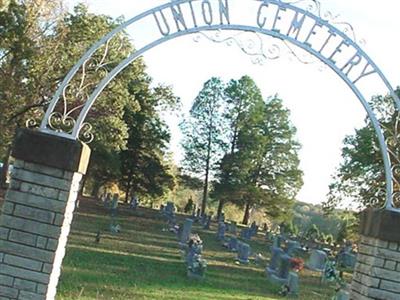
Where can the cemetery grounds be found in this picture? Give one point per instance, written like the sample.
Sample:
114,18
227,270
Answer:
144,262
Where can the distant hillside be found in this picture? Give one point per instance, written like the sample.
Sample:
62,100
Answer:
306,214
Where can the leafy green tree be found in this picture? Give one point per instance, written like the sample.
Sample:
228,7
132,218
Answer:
203,141
143,170
24,26
360,177
241,96
39,44
267,161
313,232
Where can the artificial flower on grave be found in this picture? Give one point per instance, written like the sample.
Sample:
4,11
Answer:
297,264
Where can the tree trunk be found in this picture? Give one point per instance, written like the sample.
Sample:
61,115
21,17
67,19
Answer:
205,190
96,188
246,216
128,188
4,170
205,193
220,207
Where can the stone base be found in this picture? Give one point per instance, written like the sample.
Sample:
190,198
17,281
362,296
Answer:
277,280
312,268
243,261
269,271
195,276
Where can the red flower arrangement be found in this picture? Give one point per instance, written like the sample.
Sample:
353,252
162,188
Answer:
296,264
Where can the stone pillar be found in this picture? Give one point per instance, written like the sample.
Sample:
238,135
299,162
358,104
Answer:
37,213
377,271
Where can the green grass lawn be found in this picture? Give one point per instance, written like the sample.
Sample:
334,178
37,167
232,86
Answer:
144,262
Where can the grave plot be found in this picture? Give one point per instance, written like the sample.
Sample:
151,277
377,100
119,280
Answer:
143,261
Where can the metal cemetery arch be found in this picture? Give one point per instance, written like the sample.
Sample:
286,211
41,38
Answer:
182,17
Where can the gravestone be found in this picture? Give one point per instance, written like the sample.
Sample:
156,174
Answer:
253,229
342,295
245,234
185,233
169,214
274,262
233,244
292,246
293,283
348,260
114,206
221,231
233,227
134,202
208,223
198,214
281,274
196,265
107,200
243,252
170,208
317,260
277,241
284,266
194,211
221,217
203,220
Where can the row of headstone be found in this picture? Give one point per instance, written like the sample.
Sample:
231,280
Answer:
249,232
245,234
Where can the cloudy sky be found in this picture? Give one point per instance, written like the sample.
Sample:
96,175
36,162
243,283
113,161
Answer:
323,108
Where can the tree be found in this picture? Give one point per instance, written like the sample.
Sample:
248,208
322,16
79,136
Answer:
360,177
264,169
39,44
203,141
24,26
241,96
143,170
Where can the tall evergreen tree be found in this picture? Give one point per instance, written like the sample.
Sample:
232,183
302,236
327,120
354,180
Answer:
203,141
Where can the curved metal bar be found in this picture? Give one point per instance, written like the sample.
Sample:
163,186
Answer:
371,115
88,55
111,34
135,55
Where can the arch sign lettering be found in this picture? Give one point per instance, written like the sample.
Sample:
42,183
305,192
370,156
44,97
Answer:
299,25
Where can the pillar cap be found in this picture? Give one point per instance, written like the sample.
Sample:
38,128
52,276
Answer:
50,150
381,224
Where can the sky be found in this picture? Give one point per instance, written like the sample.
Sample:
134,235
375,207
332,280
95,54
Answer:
323,108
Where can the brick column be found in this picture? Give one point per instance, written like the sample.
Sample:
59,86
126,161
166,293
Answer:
377,271
37,213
